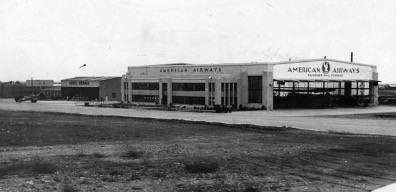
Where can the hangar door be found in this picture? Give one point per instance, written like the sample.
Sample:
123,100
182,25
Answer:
320,94
80,93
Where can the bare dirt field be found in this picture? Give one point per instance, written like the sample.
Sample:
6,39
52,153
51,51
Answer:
65,152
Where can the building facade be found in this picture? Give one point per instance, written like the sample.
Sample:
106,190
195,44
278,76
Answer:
39,83
92,88
307,83
11,91
52,92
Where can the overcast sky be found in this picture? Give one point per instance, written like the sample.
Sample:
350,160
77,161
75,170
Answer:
51,39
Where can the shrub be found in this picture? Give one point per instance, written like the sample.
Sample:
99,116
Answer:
81,154
43,168
34,166
133,154
202,166
115,172
250,189
98,155
69,188
108,179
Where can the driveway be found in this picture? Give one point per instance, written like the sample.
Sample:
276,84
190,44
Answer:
309,119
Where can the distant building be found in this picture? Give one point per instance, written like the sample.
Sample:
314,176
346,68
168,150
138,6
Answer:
8,90
39,83
387,93
92,88
52,92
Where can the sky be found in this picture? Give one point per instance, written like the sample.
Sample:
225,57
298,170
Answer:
51,39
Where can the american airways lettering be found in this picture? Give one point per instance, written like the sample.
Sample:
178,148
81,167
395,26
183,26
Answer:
319,70
325,70
194,70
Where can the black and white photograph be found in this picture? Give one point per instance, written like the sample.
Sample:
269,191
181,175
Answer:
197,95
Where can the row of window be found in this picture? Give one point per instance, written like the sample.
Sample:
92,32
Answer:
333,88
145,98
228,93
188,100
175,86
175,99
188,86
145,86
321,84
229,90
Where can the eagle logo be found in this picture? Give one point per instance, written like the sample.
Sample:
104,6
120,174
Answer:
326,67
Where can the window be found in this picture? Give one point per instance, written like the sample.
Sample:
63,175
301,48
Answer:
255,84
145,98
164,87
188,86
211,93
211,87
228,93
113,95
360,88
145,86
188,100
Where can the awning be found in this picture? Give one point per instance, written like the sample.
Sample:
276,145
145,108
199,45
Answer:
324,80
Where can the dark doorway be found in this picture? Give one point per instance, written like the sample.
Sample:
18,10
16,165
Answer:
164,93
80,93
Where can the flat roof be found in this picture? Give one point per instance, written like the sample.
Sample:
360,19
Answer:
55,88
252,63
100,78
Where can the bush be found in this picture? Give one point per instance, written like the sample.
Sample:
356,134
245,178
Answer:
98,155
133,154
34,166
202,166
115,172
81,154
250,189
69,188
43,168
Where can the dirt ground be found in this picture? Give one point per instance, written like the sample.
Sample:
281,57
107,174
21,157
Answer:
65,152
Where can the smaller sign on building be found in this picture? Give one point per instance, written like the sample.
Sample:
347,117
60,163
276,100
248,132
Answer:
79,83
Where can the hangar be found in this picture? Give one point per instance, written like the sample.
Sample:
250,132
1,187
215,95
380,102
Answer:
92,88
311,83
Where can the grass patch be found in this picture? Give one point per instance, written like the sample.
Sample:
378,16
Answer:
202,166
134,154
69,188
251,189
115,172
81,154
33,167
108,179
43,168
98,155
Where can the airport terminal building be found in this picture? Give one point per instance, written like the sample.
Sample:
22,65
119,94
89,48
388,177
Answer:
293,84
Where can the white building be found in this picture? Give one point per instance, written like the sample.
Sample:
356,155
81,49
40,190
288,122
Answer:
305,83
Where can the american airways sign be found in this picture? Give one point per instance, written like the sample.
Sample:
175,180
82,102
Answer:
193,70
322,70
